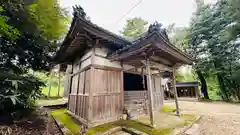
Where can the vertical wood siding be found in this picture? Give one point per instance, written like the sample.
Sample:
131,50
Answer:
106,95
157,92
78,102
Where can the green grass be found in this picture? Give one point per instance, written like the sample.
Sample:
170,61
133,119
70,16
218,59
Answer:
167,109
72,125
189,119
53,92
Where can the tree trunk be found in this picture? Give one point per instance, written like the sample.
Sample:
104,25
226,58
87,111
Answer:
59,84
50,84
203,84
238,94
222,87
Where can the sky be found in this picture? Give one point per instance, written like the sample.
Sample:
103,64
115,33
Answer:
108,13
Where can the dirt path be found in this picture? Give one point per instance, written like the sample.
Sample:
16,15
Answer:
217,118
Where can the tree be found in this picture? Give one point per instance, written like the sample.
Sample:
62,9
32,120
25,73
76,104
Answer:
134,27
29,49
5,29
50,18
178,36
196,48
214,43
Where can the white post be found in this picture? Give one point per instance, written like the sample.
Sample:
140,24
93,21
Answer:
50,84
175,90
150,93
59,84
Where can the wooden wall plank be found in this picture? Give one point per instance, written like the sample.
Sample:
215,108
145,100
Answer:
107,94
91,87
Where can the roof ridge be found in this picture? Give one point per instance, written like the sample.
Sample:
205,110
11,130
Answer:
105,30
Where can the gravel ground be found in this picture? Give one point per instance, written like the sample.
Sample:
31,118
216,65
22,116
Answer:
218,118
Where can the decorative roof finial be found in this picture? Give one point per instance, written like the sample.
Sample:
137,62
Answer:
155,27
78,11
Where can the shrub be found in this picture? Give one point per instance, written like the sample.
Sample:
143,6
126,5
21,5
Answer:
18,91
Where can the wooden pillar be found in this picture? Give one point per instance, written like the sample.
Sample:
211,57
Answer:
196,92
150,92
143,79
92,86
175,90
70,84
78,80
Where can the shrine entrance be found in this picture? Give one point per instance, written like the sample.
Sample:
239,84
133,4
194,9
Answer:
135,93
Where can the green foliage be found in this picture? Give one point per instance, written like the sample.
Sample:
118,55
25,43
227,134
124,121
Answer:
213,88
214,44
53,81
212,39
27,35
17,92
185,76
50,18
5,29
178,36
134,27
29,49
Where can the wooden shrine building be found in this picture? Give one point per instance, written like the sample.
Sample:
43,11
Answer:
106,71
188,90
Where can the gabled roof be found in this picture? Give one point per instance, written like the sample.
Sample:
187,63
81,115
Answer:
80,26
156,39
91,28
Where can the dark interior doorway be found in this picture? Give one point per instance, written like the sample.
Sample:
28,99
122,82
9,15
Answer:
133,82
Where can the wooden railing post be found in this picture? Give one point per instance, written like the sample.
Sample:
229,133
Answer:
150,92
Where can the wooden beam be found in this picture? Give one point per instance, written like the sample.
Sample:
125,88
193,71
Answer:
150,92
133,72
81,70
175,90
134,68
161,61
106,67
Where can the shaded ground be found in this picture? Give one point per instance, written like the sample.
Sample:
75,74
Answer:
218,118
34,123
